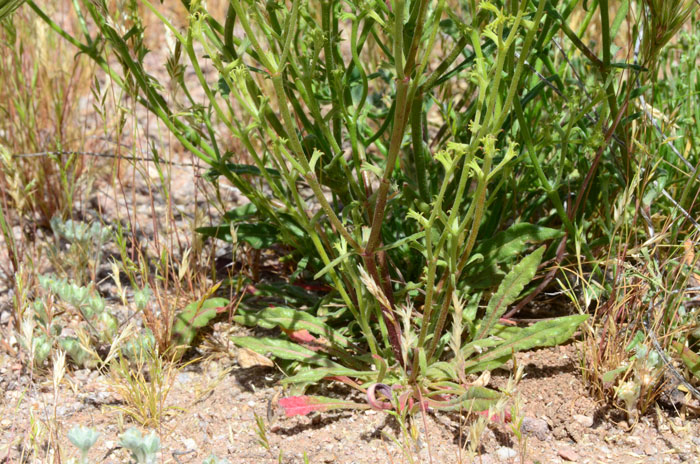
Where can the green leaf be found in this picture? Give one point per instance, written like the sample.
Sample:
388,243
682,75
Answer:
545,333
333,264
514,241
521,274
283,349
293,295
441,371
257,235
501,249
194,317
315,374
242,169
224,89
474,400
689,358
240,213
290,319
610,376
7,7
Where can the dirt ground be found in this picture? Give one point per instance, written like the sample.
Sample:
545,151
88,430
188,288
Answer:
217,402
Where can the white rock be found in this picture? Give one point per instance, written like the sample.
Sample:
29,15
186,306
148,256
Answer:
504,453
189,443
585,421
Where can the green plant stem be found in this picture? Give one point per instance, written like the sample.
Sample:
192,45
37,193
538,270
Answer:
607,43
417,142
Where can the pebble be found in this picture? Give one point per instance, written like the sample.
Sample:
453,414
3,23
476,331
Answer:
568,454
536,427
189,443
585,421
504,453
560,432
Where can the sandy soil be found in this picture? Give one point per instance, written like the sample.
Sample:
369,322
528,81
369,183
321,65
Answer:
217,402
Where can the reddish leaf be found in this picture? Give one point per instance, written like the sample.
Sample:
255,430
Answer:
304,338
302,405
496,417
300,336
347,381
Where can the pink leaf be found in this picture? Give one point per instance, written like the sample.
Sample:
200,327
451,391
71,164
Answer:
301,336
307,340
302,405
497,417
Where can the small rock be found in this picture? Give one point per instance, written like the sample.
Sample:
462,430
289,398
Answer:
585,421
568,454
559,432
536,427
190,444
504,453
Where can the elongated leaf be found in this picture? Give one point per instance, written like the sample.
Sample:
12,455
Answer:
293,295
7,7
304,338
475,399
241,213
501,249
514,241
332,264
194,317
313,375
290,319
441,371
545,333
283,349
257,235
689,357
302,405
241,169
521,274
612,375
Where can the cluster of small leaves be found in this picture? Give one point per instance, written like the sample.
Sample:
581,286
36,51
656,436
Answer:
79,247
83,438
143,449
80,232
97,326
638,379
